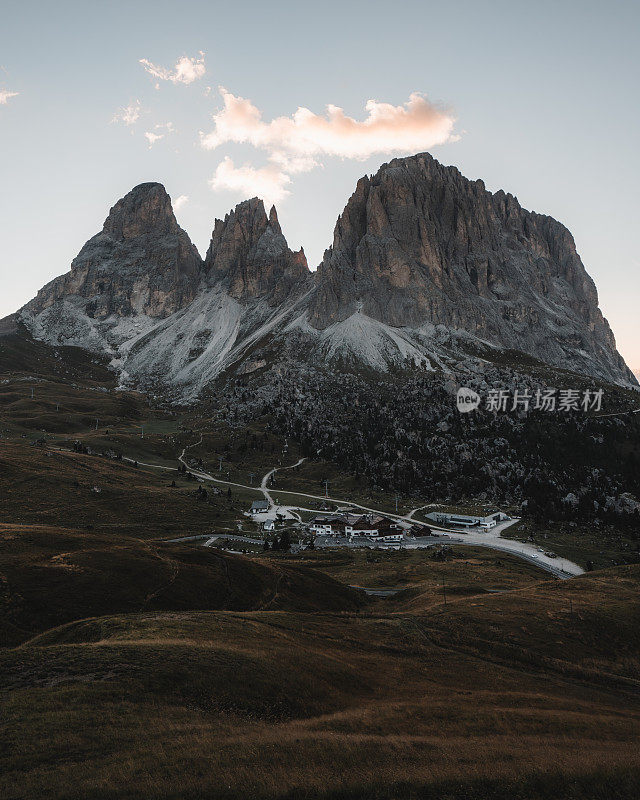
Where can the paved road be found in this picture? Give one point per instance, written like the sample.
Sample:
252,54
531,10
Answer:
559,567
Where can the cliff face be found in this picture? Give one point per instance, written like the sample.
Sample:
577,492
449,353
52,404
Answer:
250,258
418,243
141,262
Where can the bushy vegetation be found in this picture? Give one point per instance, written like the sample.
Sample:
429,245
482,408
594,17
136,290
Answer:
404,434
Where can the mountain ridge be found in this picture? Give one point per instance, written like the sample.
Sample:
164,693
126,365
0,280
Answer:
424,263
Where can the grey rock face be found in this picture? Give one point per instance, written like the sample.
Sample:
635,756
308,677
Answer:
141,262
420,244
250,258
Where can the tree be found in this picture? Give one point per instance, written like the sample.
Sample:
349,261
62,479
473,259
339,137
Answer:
285,541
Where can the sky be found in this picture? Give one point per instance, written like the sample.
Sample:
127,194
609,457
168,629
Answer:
294,102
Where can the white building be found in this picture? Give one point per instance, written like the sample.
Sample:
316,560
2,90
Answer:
328,525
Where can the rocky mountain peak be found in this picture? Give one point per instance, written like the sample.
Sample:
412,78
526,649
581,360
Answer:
146,209
418,244
249,256
141,263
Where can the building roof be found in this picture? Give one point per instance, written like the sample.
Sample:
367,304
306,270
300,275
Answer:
328,519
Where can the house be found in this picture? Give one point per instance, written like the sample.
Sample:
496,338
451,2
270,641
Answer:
268,525
259,506
328,525
389,532
365,525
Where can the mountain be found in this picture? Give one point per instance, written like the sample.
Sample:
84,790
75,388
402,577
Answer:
141,263
426,269
420,245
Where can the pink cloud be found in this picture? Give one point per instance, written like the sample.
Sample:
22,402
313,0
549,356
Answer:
305,136
186,70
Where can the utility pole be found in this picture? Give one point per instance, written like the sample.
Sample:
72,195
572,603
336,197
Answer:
32,393
397,498
220,460
326,488
97,421
57,406
252,475
142,431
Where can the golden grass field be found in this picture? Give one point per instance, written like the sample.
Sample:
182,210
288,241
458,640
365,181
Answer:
284,704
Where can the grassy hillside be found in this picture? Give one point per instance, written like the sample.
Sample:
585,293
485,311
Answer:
272,704
51,576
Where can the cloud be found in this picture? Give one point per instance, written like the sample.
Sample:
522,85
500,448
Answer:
152,137
129,115
304,137
6,95
180,201
186,70
268,182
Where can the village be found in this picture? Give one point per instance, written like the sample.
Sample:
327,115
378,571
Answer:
345,525
350,526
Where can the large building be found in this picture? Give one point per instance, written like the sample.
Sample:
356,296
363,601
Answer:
483,522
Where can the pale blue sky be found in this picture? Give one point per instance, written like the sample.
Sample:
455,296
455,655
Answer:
545,95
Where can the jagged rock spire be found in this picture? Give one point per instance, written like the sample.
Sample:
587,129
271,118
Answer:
250,257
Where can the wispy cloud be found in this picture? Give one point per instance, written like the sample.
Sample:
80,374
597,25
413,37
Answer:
269,182
302,141
180,201
128,115
186,70
6,95
159,132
